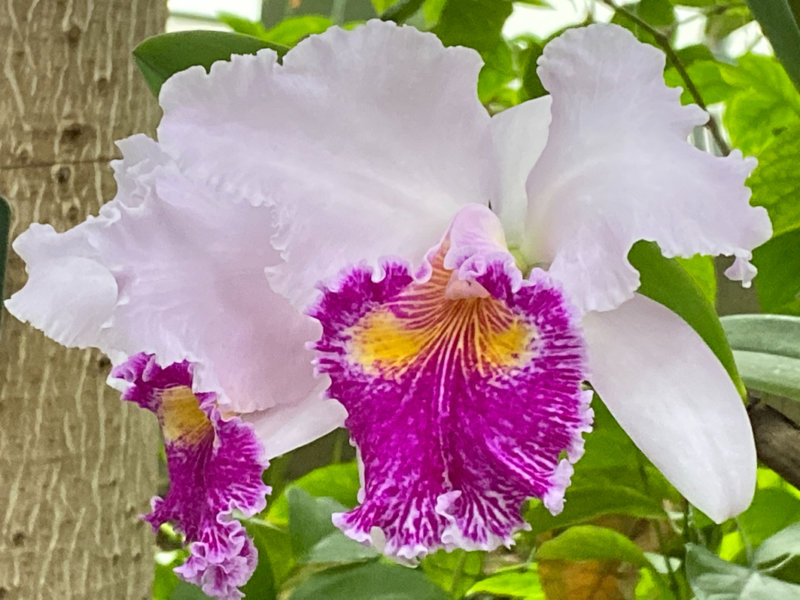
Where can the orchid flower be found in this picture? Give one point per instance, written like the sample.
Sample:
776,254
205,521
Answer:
454,278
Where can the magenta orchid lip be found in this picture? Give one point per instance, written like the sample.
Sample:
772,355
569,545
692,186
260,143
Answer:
461,407
215,467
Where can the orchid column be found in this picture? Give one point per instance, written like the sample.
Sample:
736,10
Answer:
74,463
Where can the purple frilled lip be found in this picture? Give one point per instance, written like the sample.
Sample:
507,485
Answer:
215,467
464,399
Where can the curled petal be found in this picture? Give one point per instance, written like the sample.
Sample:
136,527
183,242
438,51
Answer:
674,398
617,168
171,268
519,135
369,139
462,387
215,467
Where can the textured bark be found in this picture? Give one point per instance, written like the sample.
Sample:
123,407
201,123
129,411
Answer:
77,466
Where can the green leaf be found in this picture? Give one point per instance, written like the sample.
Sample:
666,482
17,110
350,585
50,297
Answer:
711,578
338,548
261,585
779,555
456,571
338,481
778,281
497,71
776,181
779,25
767,352
652,586
369,581
586,502
402,11
772,510
290,31
242,25
309,520
5,232
589,542
666,282
161,56
278,545
707,78
473,23
531,84
720,25
187,591
763,102
516,583
165,580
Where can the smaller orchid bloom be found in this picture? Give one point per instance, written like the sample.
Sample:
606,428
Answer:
357,201
215,468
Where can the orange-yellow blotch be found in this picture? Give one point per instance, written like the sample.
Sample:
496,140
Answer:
181,417
480,331
381,340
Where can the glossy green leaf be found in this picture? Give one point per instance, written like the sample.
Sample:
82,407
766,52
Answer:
772,510
278,544
779,25
161,56
720,25
454,571
165,580
779,555
762,102
473,23
586,502
589,542
368,581
767,352
706,74
290,31
401,11
518,583
711,578
778,281
309,520
652,586
187,591
336,547
666,282
262,584
5,232
338,481
776,181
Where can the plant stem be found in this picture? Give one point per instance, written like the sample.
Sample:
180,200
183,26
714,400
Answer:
337,11
662,546
663,42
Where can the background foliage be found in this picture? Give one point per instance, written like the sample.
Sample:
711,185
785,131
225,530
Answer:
625,532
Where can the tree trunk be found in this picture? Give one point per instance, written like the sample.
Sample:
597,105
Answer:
77,466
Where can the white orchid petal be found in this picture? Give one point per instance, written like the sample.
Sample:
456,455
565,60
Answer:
68,297
617,168
367,141
170,268
519,135
289,426
670,393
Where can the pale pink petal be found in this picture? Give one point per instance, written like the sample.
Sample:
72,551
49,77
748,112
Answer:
171,268
674,398
618,168
367,142
519,135
288,426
